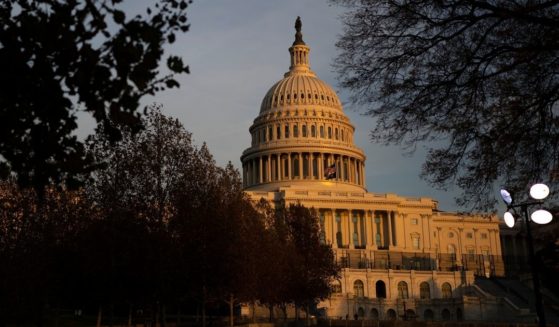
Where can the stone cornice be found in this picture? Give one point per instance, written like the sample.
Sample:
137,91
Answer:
275,147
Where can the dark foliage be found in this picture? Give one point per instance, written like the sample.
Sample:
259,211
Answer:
62,57
478,79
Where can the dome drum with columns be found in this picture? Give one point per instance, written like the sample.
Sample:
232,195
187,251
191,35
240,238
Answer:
301,134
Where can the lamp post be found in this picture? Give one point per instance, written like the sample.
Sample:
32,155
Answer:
538,192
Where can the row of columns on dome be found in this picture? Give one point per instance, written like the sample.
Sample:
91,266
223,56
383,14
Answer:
358,229
292,166
324,132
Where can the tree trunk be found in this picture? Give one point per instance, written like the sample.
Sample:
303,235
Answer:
231,308
99,316
163,315
156,315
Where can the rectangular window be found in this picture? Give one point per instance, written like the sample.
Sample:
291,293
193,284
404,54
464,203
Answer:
278,132
414,221
415,242
469,235
483,236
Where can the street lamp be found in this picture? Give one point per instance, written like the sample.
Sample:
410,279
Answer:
538,192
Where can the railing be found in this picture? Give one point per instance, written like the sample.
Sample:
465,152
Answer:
481,265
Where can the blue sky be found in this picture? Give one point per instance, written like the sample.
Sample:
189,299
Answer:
236,50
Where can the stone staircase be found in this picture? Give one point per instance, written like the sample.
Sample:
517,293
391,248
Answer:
518,294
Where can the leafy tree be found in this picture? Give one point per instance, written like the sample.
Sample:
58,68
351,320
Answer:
136,193
311,264
61,57
478,79
39,261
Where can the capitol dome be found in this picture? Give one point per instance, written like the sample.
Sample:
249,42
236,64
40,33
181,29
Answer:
301,136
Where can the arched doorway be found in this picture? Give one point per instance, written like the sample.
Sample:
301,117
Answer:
459,315
380,289
374,314
391,314
428,314
361,313
445,314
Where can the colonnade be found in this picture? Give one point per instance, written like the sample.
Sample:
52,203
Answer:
274,167
359,229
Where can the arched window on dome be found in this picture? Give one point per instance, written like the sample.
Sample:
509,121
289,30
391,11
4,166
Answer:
278,132
322,131
295,131
304,130
342,134
286,131
329,132
336,135
270,133
313,131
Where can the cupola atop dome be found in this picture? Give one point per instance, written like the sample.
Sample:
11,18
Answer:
300,86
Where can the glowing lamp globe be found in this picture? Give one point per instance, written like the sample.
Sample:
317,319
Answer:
509,219
505,195
541,216
539,191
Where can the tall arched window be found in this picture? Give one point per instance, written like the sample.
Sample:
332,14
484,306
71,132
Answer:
295,131
424,291
402,290
380,289
322,131
329,132
286,131
304,130
336,135
358,288
336,287
446,291
313,131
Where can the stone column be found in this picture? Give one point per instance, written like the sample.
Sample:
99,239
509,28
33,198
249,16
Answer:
310,171
351,229
289,174
278,167
260,173
394,232
389,231
369,229
300,165
269,171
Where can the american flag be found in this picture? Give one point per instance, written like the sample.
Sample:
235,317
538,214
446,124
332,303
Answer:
330,172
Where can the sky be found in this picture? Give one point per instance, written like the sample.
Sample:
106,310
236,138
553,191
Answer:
237,49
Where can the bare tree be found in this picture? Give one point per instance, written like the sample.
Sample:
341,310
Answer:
477,80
